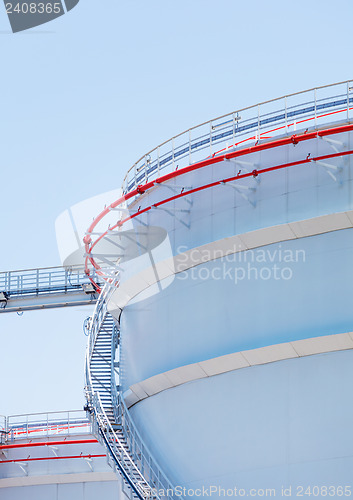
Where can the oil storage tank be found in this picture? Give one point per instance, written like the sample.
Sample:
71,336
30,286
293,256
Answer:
236,321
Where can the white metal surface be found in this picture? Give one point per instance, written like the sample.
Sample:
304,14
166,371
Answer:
237,361
226,247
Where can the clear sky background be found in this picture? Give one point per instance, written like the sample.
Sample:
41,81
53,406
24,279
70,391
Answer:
84,96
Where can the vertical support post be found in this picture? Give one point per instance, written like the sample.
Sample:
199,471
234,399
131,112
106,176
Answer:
189,147
158,166
233,129
210,138
37,281
285,113
347,101
173,153
315,108
150,468
258,122
145,168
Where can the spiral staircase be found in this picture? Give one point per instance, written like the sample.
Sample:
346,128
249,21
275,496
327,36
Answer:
126,452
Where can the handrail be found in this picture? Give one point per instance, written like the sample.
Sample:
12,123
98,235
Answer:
47,414
41,444
75,267
45,424
123,459
152,478
43,280
256,120
284,141
308,113
40,459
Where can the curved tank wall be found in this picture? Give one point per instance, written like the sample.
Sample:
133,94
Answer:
253,304
198,318
282,424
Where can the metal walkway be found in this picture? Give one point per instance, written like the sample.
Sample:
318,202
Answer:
45,288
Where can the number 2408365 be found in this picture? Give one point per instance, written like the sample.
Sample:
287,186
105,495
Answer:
34,8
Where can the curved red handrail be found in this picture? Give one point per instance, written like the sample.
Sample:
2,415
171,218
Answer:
35,459
47,443
141,189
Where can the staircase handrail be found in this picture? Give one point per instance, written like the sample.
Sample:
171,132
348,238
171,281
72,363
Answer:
142,488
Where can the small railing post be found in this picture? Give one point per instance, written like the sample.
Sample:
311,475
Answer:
348,88
145,168
210,138
189,147
233,129
158,166
173,153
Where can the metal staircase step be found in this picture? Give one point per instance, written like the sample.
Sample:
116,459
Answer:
100,365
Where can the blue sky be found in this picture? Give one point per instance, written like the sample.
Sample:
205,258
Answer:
86,95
